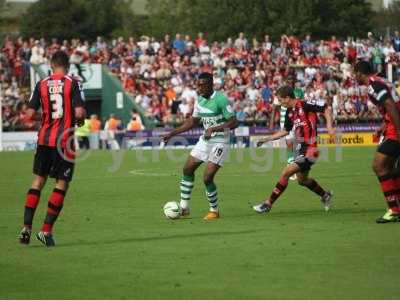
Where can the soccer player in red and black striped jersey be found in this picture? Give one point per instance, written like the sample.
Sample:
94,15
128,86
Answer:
61,100
302,117
383,95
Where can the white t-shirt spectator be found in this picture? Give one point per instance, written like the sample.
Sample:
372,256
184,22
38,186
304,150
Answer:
252,93
345,68
37,54
240,43
177,84
184,108
310,72
232,72
189,94
156,46
204,52
144,45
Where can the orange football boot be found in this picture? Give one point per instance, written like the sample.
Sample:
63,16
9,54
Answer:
211,215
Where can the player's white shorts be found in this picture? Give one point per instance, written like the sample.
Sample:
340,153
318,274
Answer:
210,152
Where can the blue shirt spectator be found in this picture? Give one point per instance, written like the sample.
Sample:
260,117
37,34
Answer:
179,44
266,93
396,41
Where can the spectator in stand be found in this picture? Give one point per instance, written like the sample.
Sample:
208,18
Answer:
179,44
241,41
396,41
159,74
37,56
185,109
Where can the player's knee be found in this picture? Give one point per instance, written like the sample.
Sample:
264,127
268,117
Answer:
62,185
38,183
188,171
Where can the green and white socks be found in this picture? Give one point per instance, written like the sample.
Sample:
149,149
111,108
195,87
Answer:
212,196
186,185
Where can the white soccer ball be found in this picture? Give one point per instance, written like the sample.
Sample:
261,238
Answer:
172,210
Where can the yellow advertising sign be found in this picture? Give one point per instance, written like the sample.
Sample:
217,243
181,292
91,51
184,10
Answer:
342,139
348,139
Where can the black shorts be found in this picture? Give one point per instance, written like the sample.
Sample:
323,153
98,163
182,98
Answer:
389,148
50,162
305,163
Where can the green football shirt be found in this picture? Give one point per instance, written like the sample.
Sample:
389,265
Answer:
214,112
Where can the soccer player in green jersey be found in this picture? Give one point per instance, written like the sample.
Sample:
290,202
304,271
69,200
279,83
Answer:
212,109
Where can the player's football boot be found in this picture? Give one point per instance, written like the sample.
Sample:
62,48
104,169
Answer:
262,208
185,212
388,217
25,236
46,238
327,200
211,215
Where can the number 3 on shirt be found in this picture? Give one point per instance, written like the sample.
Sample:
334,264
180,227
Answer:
56,106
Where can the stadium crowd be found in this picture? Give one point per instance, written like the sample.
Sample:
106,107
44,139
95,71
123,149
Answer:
160,75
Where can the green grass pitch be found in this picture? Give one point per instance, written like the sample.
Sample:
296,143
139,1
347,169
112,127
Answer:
113,241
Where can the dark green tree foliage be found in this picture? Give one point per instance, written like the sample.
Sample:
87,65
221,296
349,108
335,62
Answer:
388,19
220,19
66,19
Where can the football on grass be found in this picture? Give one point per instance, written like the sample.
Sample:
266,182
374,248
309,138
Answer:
172,210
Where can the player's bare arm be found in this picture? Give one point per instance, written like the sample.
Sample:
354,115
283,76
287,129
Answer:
391,109
187,125
228,125
276,136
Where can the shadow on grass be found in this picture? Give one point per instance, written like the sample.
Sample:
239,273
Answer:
277,213
273,218
160,238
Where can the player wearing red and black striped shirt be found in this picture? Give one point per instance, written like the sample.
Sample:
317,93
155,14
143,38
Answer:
61,101
383,95
57,95
302,117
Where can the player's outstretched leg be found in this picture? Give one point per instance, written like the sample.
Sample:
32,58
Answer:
187,183
211,191
54,207
383,167
31,202
312,185
280,187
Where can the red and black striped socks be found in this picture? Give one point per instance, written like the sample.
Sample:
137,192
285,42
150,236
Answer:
32,201
54,208
390,185
280,187
313,186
